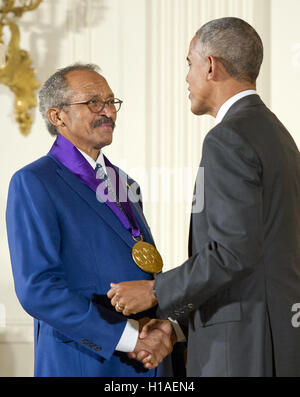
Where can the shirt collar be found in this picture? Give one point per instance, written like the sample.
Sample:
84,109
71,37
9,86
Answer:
92,162
227,105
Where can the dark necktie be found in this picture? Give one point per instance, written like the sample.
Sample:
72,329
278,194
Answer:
103,176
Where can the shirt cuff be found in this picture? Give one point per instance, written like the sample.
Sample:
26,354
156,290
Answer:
129,337
178,331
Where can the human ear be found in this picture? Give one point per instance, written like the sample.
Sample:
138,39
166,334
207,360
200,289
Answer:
213,68
54,116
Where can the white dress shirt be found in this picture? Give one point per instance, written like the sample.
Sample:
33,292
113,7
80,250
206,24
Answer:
227,105
92,162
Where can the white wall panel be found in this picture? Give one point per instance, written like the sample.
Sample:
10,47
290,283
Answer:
285,62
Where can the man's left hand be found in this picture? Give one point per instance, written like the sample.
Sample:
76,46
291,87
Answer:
131,297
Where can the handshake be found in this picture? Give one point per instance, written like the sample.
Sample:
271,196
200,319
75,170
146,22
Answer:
156,337
156,340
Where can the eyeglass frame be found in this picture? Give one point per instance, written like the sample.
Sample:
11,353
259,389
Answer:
90,100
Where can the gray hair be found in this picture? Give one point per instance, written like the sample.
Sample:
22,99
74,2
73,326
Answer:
235,43
55,91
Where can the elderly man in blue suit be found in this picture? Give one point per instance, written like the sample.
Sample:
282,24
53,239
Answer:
70,235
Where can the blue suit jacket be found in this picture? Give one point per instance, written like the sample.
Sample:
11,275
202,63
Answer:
66,247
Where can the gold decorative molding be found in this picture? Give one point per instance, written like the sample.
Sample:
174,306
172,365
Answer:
16,71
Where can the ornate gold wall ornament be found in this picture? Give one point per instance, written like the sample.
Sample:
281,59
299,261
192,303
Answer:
16,72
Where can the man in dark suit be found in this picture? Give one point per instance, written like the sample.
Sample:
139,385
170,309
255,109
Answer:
70,235
242,278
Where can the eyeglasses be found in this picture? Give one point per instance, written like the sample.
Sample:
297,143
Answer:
96,105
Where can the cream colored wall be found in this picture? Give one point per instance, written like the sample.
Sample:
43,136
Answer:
285,62
141,46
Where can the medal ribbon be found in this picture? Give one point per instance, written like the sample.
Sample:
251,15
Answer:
65,152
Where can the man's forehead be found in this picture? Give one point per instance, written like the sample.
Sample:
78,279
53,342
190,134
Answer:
88,82
193,46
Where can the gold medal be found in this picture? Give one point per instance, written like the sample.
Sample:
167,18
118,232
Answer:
147,257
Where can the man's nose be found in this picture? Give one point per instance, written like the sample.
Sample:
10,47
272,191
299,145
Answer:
108,111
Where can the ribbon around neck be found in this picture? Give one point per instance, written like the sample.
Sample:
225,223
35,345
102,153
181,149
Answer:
65,152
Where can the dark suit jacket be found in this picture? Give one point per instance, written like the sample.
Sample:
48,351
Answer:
243,273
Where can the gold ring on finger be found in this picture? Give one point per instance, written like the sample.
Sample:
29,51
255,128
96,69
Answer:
119,307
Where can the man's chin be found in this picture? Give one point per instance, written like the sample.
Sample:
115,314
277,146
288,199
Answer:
104,142
197,111
107,142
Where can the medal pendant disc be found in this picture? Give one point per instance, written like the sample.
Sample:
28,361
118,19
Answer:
147,257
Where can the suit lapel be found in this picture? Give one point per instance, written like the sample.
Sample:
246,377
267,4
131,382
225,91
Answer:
136,207
89,196
145,229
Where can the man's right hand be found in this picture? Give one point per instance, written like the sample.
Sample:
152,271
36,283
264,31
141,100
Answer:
155,342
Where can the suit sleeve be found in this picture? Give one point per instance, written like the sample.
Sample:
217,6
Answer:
233,207
42,288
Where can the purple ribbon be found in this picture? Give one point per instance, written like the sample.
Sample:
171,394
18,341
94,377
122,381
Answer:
65,152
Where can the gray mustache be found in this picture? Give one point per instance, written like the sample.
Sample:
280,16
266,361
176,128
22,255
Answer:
104,120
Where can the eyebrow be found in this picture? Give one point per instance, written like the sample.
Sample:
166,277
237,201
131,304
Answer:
110,96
